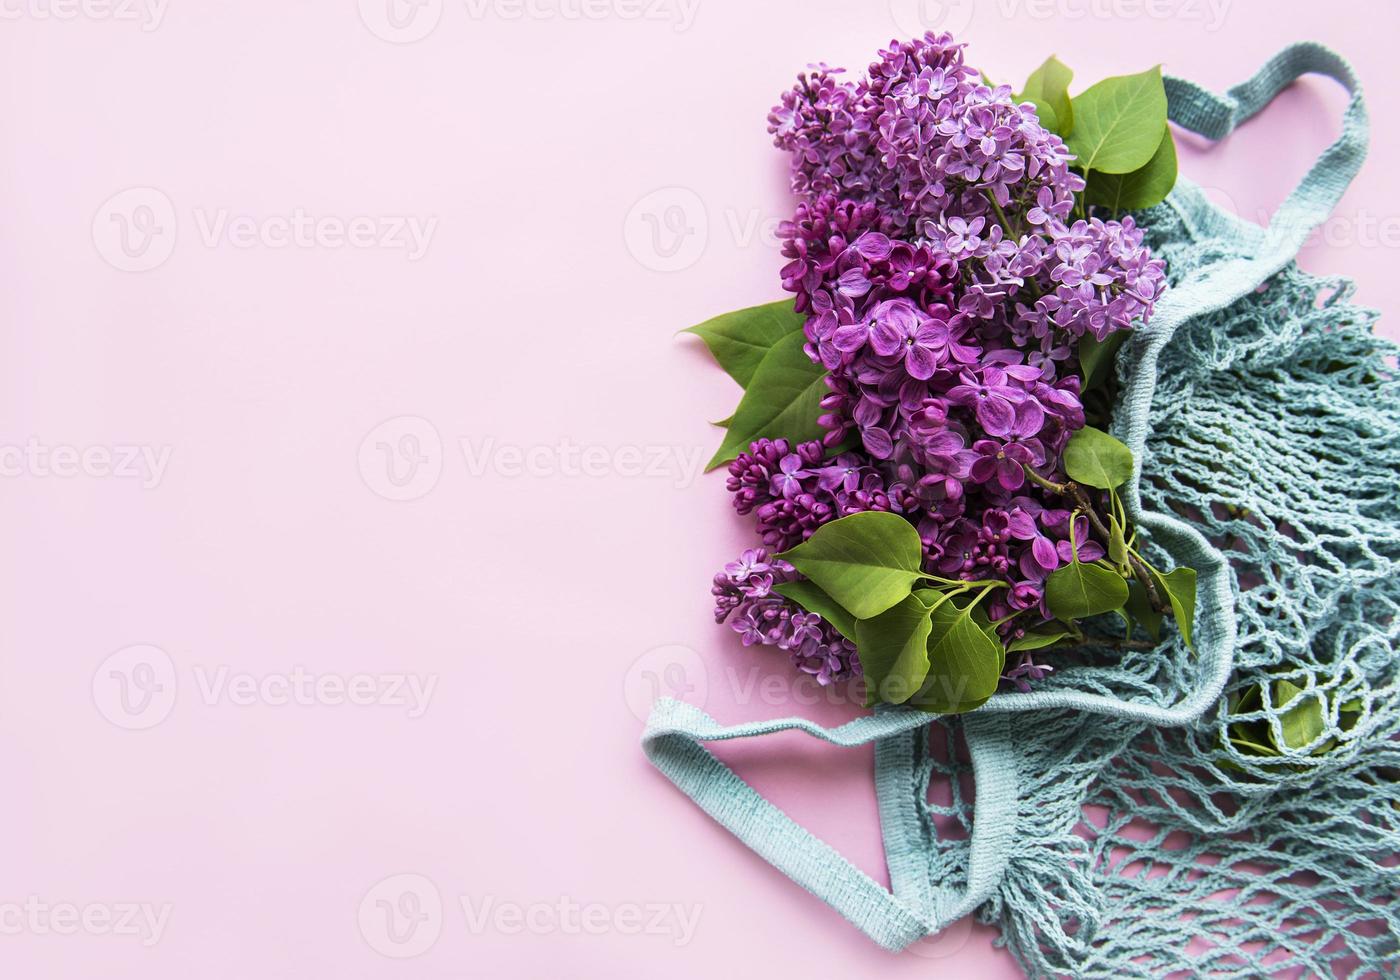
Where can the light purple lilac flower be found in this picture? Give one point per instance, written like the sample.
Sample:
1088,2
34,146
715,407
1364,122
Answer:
744,597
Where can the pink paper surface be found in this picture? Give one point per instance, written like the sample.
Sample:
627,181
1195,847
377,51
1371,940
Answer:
350,492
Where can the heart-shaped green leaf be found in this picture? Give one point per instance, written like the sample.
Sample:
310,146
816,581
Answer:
1180,588
782,401
1078,591
1118,122
1094,458
1049,86
1139,607
741,340
811,598
1096,357
1148,185
866,562
1117,543
965,661
894,650
1303,722
1039,638
1249,737
1246,739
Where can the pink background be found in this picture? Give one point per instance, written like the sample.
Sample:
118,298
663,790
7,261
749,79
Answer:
531,591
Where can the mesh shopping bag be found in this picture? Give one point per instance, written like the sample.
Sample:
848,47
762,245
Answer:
1229,811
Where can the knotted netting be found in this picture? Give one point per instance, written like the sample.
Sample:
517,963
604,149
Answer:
1263,838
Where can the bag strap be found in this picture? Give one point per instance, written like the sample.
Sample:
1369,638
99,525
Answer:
673,742
1216,116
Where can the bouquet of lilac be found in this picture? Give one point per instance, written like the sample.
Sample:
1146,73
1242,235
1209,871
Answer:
921,437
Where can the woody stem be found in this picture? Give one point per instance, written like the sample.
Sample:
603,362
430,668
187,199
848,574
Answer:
1081,500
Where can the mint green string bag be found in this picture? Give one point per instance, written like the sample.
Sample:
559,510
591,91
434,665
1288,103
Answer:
1227,813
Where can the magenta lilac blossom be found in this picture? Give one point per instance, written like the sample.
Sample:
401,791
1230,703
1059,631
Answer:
948,274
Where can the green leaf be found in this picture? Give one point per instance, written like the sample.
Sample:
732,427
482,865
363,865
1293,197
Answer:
810,597
1127,620
1078,591
1148,185
1349,713
1248,701
1180,588
781,401
965,662
1039,638
1049,86
894,650
1117,544
1301,723
1139,606
1094,458
1118,122
866,562
1244,738
1248,736
1096,357
740,340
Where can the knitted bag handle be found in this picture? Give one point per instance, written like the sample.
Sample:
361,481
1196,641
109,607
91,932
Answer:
916,907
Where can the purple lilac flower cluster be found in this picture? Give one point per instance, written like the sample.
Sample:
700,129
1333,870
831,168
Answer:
947,284
978,192
744,596
794,491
